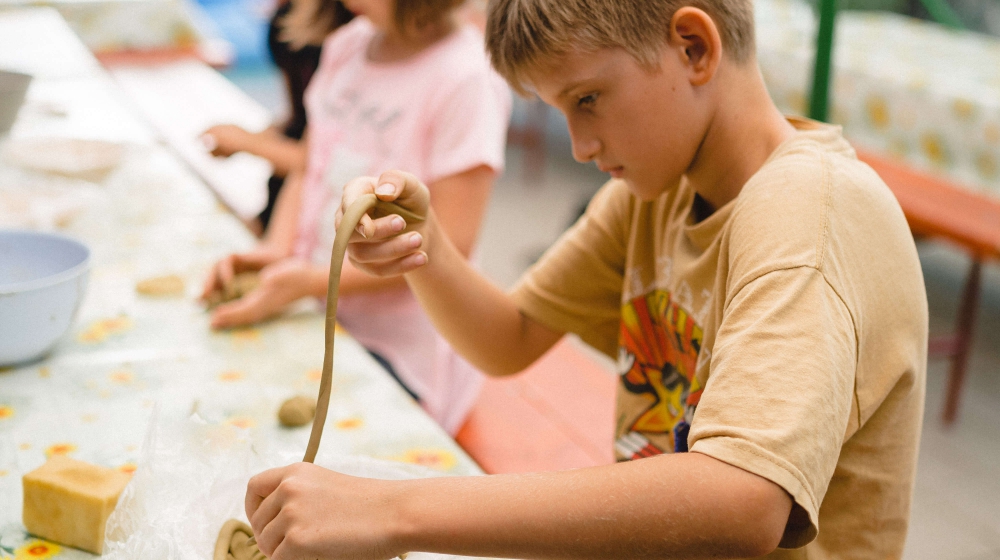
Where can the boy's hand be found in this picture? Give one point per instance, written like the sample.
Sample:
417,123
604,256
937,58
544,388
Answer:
304,512
379,246
225,140
281,283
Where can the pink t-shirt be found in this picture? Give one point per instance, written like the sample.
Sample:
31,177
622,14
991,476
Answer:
441,112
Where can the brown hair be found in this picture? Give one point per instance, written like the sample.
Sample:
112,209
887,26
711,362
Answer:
418,13
521,34
310,21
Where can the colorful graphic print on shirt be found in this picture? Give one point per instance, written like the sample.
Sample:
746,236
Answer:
659,342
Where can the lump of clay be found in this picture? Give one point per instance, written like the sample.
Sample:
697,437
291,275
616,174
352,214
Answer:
241,285
297,411
161,286
69,501
234,543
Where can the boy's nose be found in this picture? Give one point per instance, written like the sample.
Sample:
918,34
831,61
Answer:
586,146
585,149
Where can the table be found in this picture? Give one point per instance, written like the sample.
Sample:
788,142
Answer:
922,93
183,98
128,25
128,354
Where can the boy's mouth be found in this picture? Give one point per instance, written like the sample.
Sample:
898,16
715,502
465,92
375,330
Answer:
353,9
616,172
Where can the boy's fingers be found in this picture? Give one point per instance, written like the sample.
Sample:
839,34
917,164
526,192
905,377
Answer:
393,249
271,534
355,188
380,229
366,228
394,184
280,552
261,486
263,520
396,267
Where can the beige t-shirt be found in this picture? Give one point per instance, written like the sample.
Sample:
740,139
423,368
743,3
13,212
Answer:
786,334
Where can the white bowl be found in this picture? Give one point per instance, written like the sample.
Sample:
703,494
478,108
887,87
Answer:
13,86
43,278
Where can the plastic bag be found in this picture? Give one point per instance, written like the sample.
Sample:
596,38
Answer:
192,477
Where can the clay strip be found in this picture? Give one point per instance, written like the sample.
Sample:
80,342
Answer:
350,221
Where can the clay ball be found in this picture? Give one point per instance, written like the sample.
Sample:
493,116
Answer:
297,411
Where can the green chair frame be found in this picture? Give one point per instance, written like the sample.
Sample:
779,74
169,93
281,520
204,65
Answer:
819,99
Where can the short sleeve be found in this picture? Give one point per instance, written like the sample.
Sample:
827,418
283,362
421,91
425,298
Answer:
780,389
469,127
343,44
577,284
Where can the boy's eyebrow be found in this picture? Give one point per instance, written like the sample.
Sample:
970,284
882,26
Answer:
573,86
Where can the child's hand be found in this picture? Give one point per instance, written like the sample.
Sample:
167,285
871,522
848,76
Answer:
224,271
303,511
225,140
281,283
379,246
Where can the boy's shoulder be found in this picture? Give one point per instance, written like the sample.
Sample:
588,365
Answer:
814,196
809,167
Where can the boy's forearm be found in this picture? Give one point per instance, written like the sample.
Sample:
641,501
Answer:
677,506
479,320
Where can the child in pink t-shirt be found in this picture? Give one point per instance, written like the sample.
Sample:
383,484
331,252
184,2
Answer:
404,87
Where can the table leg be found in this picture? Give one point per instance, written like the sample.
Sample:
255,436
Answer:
963,341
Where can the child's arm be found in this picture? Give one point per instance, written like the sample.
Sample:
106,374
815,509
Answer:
276,245
685,505
479,320
461,199
285,154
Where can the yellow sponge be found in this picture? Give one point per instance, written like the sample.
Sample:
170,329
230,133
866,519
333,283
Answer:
69,501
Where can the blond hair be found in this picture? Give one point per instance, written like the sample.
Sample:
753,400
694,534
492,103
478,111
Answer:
522,34
310,21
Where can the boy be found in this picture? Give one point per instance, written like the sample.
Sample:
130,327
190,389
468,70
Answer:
758,284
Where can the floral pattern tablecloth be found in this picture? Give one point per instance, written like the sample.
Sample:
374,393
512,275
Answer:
127,353
902,87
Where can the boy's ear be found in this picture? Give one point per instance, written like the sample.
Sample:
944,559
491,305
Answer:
695,33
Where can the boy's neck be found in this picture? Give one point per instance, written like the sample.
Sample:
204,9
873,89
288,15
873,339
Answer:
744,131
395,44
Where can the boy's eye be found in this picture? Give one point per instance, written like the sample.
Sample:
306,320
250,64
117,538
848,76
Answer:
587,100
